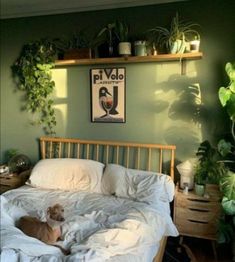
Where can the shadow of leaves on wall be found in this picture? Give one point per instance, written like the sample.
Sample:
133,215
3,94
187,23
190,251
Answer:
160,105
185,110
188,106
188,103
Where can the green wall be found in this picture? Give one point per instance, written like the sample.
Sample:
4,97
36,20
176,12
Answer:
159,105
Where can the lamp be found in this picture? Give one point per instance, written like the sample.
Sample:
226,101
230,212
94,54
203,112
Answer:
186,174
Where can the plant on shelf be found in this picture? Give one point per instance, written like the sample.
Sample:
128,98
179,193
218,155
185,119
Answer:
106,40
227,150
174,38
33,75
122,32
80,45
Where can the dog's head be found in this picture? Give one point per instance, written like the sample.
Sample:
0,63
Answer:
56,213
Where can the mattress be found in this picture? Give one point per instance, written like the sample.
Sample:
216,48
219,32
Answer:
97,227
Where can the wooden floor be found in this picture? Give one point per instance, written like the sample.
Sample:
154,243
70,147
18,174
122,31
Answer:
202,250
195,250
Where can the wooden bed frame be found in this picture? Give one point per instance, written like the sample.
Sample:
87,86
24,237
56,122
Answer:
150,157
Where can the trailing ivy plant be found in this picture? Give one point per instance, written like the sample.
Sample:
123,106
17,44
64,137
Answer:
32,71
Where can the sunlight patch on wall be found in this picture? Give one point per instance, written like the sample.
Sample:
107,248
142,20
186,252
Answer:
191,70
61,98
164,71
169,71
60,78
61,111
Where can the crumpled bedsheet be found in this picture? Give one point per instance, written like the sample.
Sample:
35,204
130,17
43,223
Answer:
97,228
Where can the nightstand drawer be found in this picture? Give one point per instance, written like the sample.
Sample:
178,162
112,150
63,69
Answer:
196,202
192,227
197,215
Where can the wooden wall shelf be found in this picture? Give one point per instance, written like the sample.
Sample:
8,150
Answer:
130,59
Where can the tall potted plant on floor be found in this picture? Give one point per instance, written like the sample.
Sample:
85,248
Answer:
227,150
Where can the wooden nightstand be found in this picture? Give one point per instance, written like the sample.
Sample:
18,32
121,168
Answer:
197,216
11,181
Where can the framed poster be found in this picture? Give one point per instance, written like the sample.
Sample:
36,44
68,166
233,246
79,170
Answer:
108,95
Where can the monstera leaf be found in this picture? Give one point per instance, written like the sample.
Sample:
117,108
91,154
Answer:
227,94
228,206
230,70
227,185
231,107
224,147
224,95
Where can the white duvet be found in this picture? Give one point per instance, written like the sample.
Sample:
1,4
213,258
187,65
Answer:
97,228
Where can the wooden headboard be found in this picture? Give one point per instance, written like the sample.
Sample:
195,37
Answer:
151,157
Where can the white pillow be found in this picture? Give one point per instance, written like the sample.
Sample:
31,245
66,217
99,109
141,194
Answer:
139,185
67,174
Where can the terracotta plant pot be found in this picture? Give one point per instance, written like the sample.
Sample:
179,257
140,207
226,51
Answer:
78,53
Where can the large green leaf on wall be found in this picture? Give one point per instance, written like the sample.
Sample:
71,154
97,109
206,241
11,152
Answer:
227,185
231,107
228,206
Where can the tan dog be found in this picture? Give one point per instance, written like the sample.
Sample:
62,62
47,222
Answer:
48,232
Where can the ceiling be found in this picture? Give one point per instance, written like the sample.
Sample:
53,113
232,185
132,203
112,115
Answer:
25,8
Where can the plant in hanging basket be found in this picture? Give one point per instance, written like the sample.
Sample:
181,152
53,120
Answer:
32,71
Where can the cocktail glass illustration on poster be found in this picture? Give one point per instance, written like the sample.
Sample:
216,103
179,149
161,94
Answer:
108,95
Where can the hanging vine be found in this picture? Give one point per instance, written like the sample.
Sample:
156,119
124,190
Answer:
32,71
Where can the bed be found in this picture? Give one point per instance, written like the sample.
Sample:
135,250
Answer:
116,198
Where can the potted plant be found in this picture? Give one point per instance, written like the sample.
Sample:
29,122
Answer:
174,38
227,150
122,33
32,71
80,46
200,180
209,168
106,41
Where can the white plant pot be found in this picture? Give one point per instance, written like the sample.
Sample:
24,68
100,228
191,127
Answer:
178,47
194,46
124,48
